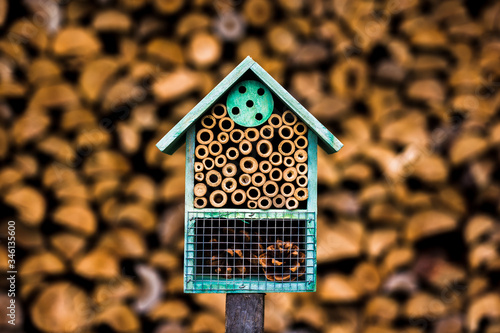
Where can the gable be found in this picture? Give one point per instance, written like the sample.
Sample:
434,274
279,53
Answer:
176,136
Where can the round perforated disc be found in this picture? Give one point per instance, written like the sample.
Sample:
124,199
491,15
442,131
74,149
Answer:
250,103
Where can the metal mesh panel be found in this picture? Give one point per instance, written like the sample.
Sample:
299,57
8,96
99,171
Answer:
250,252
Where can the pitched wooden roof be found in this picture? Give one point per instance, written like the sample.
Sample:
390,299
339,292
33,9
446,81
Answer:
176,136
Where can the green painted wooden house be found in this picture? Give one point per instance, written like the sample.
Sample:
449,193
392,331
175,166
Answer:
251,186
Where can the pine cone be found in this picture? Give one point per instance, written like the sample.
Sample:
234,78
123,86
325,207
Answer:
283,262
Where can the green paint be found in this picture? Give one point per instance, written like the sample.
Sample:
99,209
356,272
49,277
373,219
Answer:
250,103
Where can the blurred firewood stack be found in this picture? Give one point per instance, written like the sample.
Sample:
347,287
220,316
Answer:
408,230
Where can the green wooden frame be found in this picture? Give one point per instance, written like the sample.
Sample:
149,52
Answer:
250,285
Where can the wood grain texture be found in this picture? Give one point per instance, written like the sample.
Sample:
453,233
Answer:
245,313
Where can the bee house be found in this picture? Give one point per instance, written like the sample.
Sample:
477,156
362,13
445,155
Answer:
251,187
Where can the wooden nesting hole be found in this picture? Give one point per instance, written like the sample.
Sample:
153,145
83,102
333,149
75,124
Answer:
253,193
252,134
238,197
213,178
215,148
200,189
302,168
208,163
271,188
267,132
275,121
245,147
302,181
200,202
287,189
258,179
219,111
300,128
218,198
236,135
290,174
245,180
289,161
286,132
264,148
201,151
276,175
289,118
276,159
252,204
208,121
229,170
301,194
286,148
226,124
249,164
220,161
300,156
223,137
279,201
198,166
301,142
199,176
229,185
264,203
232,153
265,166
292,203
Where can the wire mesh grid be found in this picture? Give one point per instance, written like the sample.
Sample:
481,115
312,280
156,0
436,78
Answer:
250,252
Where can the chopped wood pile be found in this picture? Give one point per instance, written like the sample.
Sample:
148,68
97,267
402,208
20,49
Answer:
408,230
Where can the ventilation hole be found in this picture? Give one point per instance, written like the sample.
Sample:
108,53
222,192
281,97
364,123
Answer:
235,110
260,91
249,103
242,89
258,116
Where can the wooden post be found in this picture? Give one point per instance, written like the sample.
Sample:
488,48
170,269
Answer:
245,313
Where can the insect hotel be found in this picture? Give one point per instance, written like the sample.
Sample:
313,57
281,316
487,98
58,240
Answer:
251,187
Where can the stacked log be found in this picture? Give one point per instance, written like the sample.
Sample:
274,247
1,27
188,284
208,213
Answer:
407,221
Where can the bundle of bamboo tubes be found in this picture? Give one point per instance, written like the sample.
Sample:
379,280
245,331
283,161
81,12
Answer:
260,167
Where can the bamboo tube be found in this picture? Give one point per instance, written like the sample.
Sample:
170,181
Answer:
289,118
208,163
199,176
245,147
285,132
264,203
267,132
300,156
218,198
249,164
289,161
302,181
252,134
279,201
275,121
300,128
198,166
286,148
301,142
220,161
287,189
290,174
301,194
252,204
213,178
276,159
265,166
264,148
276,174
229,170
208,121
219,111
236,135
291,203
245,179
200,189
232,153
215,148
200,202
258,179
238,197
253,193
226,124
223,137
201,151
229,185
302,168
271,188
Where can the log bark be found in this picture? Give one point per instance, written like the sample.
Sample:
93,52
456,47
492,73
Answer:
244,313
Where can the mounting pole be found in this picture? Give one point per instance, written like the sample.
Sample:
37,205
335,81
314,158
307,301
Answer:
245,313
